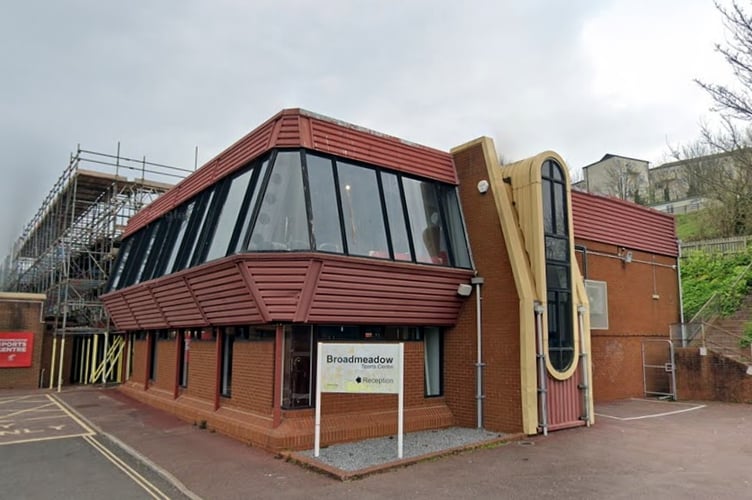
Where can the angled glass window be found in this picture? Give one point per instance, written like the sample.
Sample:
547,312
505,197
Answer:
228,216
183,215
282,223
250,209
166,243
558,267
327,232
150,251
361,211
193,242
455,226
396,217
123,253
425,222
134,265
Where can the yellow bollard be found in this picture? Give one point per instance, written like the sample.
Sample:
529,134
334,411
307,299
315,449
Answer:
93,360
52,361
88,357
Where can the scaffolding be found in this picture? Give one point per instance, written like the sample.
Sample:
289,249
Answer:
68,248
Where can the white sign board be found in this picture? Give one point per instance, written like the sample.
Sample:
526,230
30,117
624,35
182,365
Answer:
365,368
360,368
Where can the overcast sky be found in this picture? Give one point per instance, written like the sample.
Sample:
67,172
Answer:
583,78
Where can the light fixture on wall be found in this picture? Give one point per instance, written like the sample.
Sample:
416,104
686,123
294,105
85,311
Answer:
464,290
483,186
628,257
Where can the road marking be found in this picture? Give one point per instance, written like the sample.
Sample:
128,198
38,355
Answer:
653,415
71,415
27,410
140,480
13,399
48,438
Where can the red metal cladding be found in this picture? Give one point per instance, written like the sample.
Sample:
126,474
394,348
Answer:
299,287
618,222
564,402
300,128
350,292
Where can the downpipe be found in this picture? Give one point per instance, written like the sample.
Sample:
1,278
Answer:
584,384
541,358
479,365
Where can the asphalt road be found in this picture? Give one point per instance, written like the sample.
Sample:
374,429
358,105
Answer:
637,449
48,452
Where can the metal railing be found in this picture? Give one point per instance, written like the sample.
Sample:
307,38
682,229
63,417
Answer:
712,309
724,342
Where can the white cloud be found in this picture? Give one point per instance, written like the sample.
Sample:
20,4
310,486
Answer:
583,77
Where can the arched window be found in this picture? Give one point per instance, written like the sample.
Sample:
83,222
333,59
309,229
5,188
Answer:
558,266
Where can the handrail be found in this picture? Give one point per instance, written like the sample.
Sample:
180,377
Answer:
717,346
717,295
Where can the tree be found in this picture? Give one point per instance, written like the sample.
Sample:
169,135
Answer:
718,166
735,102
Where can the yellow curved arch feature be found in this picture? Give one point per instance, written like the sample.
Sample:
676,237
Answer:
526,181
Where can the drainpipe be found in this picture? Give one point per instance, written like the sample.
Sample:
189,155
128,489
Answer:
583,249
584,366
479,396
681,296
542,390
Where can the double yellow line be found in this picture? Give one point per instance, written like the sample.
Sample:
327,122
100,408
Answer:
137,478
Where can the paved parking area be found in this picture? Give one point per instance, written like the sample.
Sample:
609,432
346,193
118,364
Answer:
637,449
48,451
26,418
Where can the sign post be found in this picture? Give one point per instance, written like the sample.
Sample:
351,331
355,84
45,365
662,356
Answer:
360,368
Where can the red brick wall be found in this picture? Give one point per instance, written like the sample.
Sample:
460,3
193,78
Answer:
633,315
164,376
140,360
500,314
16,316
712,377
202,370
252,377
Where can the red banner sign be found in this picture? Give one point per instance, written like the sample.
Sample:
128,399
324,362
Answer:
16,349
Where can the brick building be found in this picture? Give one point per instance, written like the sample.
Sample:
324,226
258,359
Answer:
312,230
21,340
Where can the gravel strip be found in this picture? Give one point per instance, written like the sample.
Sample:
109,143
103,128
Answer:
362,454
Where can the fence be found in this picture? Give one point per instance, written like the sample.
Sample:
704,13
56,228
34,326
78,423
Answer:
735,244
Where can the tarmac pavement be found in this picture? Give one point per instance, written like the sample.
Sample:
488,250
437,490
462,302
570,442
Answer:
637,449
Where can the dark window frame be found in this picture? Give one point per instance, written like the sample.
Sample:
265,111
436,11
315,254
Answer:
561,345
189,236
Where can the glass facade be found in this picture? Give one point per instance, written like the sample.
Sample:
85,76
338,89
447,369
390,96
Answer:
558,266
301,201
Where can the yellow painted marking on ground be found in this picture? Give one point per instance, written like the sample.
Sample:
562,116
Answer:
36,418
19,412
71,414
48,438
13,399
140,480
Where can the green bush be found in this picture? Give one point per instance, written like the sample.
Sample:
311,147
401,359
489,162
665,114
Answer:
746,339
704,274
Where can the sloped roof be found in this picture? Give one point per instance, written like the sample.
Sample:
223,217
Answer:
292,128
614,221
